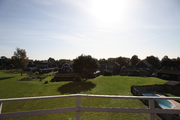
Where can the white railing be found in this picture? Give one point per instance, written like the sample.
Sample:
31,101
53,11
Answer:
152,110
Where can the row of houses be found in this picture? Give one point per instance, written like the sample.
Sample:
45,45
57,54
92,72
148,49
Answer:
169,69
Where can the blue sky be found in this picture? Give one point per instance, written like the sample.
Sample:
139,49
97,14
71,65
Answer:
65,29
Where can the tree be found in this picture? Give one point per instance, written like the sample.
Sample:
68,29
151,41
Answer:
122,61
165,58
51,60
3,59
178,59
111,59
134,60
20,59
85,65
154,61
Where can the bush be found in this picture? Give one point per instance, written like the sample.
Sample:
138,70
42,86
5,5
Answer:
37,73
142,72
164,76
29,73
123,67
107,73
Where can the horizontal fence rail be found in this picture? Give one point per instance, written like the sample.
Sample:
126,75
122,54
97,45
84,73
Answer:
152,110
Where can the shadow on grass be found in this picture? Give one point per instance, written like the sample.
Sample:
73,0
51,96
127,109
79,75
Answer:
4,78
28,79
76,87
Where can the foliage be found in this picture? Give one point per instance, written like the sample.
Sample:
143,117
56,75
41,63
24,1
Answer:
122,61
107,73
165,58
51,60
12,71
85,65
37,73
164,76
111,59
178,59
134,60
123,67
29,73
142,72
61,61
20,59
3,59
154,61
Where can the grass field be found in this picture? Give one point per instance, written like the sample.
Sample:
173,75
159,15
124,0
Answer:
11,87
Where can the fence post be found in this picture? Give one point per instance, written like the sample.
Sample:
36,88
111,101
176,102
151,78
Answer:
151,106
78,104
1,103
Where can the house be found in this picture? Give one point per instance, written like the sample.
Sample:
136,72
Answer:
170,71
102,68
142,68
46,67
66,68
5,65
65,77
114,67
143,65
42,65
91,75
65,73
31,67
129,72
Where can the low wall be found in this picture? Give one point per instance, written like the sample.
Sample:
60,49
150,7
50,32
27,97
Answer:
157,88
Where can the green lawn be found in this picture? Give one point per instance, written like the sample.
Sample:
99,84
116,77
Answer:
10,87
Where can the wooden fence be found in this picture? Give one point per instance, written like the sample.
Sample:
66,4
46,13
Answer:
152,110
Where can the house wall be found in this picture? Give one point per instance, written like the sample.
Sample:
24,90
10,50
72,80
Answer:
66,68
116,69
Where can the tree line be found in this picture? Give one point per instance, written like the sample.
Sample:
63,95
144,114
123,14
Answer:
20,60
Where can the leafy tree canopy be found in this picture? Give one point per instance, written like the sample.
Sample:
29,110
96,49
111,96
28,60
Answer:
134,60
154,61
111,59
85,65
165,58
178,59
122,61
51,60
20,59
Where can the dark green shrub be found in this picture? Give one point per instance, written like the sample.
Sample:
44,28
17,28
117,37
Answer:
142,72
107,73
37,73
123,67
164,76
29,73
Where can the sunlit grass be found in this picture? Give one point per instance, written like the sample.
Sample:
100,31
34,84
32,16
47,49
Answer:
10,87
